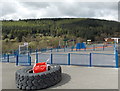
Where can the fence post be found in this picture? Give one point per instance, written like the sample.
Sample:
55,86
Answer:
93,47
71,48
30,51
17,59
8,58
76,49
45,49
57,50
29,59
103,47
116,58
51,58
4,55
36,57
68,58
90,59
115,47
51,49
36,50
64,49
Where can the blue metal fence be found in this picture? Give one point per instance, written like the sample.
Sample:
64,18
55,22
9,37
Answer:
4,58
92,47
101,59
12,58
8,58
117,59
23,60
60,59
79,59
42,57
18,59
91,59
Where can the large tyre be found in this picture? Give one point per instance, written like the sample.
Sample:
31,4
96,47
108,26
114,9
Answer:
34,81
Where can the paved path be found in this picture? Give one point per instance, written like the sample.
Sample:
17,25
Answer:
74,77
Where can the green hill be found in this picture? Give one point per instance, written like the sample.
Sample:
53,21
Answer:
29,30
79,27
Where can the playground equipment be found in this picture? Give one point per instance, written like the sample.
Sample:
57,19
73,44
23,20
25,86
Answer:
23,49
80,46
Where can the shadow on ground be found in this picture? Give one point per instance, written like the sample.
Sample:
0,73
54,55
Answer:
65,79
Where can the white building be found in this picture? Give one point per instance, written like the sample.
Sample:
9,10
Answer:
117,40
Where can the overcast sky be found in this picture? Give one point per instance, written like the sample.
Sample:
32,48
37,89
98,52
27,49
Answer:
33,10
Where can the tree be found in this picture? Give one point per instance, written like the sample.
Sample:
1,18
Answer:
5,36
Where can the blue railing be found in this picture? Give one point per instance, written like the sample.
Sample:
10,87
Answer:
109,47
93,47
91,59
19,59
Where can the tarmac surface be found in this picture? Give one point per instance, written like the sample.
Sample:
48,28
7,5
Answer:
73,77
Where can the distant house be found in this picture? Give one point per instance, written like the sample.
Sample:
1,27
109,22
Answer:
117,40
89,41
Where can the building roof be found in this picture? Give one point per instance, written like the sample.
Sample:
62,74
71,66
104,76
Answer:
113,37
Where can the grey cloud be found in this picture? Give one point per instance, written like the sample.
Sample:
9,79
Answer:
85,9
8,8
119,11
35,5
63,9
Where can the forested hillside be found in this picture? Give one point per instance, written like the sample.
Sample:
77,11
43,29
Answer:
30,30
